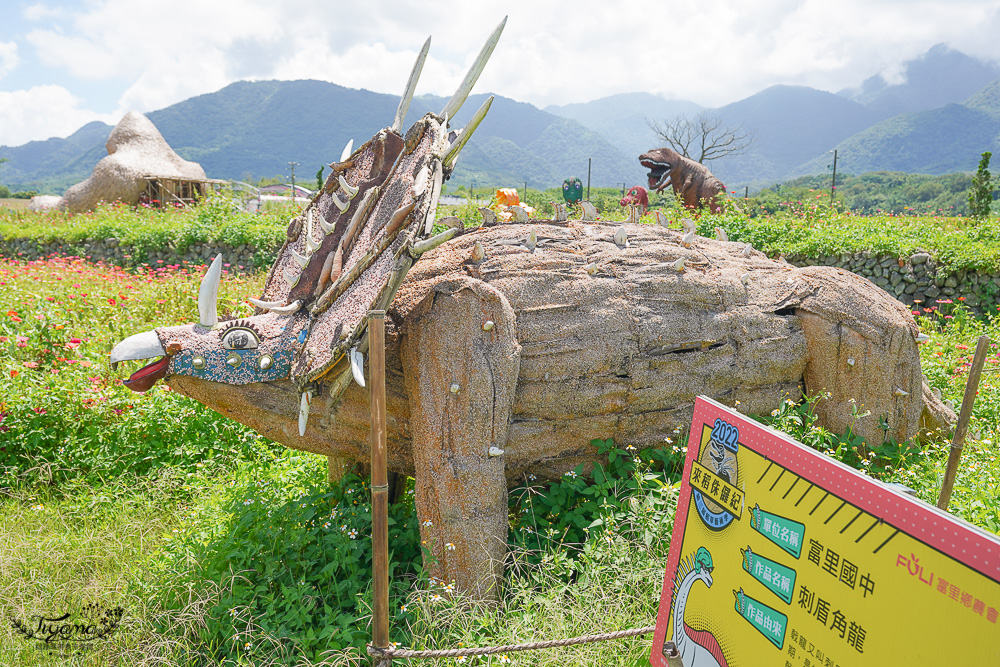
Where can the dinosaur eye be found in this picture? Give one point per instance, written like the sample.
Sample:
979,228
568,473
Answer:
239,338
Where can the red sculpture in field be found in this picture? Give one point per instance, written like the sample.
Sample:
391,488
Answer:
636,196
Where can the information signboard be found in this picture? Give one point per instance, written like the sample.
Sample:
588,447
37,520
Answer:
784,556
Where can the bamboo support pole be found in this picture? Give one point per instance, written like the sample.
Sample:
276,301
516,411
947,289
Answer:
380,482
971,389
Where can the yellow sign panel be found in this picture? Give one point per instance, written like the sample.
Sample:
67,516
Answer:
815,564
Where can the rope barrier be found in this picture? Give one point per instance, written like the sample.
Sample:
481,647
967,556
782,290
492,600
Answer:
392,653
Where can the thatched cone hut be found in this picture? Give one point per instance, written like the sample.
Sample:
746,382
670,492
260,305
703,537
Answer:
136,149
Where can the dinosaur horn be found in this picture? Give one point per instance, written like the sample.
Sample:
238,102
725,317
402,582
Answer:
456,101
304,411
358,366
456,146
420,247
348,149
411,85
208,316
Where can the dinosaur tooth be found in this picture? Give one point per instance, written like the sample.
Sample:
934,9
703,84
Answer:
325,226
689,225
488,325
301,260
304,403
661,219
208,294
633,214
688,239
337,267
621,238
745,278
495,451
276,307
678,265
420,181
720,234
489,216
411,86
518,214
456,101
747,250
341,205
899,392
560,212
451,153
291,278
347,187
358,366
850,361
426,245
922,337
591,268
589,211
398,218
478,253
531,241
348,149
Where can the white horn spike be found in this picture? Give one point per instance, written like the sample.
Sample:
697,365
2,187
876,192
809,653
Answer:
456,101
276,306
411,86
326,226
341,205
347,187
301,260
451,155
348,149
208,294
304,411
291,278
358,366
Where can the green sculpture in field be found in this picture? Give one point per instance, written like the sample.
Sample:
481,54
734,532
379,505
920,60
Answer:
572,190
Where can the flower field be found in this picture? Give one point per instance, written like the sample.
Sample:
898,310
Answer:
223,548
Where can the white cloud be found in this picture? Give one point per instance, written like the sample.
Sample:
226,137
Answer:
713,53
40,113
8,58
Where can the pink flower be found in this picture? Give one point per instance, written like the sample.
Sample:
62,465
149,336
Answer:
21,341
30,364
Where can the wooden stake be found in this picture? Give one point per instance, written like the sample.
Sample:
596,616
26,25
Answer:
971,388
380,481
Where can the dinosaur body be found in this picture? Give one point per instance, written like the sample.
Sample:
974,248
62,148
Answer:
512,346
531,353
693,183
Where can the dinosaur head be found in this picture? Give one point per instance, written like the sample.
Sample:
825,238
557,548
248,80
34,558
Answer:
661,163
637,196
345,255
238,351
703,565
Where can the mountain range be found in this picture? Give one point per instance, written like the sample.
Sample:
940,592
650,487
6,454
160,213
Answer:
936,116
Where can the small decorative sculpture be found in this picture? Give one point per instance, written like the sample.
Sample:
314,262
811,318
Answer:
572,190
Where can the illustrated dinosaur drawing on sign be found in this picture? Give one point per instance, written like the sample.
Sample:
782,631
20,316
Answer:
694,185
698,648
510,347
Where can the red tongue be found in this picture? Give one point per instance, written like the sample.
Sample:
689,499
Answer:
144,378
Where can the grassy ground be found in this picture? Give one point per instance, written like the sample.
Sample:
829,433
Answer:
14,204
221,548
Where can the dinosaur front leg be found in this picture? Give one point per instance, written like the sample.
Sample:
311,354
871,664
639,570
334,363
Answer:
460,363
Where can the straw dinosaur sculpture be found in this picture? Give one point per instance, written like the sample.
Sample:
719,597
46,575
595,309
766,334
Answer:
512,346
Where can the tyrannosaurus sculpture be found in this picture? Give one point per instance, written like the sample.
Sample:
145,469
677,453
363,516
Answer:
693,183
513,346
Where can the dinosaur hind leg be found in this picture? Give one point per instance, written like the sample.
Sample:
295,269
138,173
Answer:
460,379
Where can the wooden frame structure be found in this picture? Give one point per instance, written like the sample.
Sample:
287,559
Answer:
166,190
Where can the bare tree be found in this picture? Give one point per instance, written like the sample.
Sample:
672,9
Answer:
703,138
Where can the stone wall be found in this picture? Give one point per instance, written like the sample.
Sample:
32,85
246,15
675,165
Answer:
917,280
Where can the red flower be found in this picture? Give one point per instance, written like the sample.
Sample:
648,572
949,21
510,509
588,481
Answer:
111,300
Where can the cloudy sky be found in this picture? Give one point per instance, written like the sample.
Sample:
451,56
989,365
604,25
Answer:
63,64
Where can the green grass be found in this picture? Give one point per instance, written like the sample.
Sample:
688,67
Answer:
223,548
